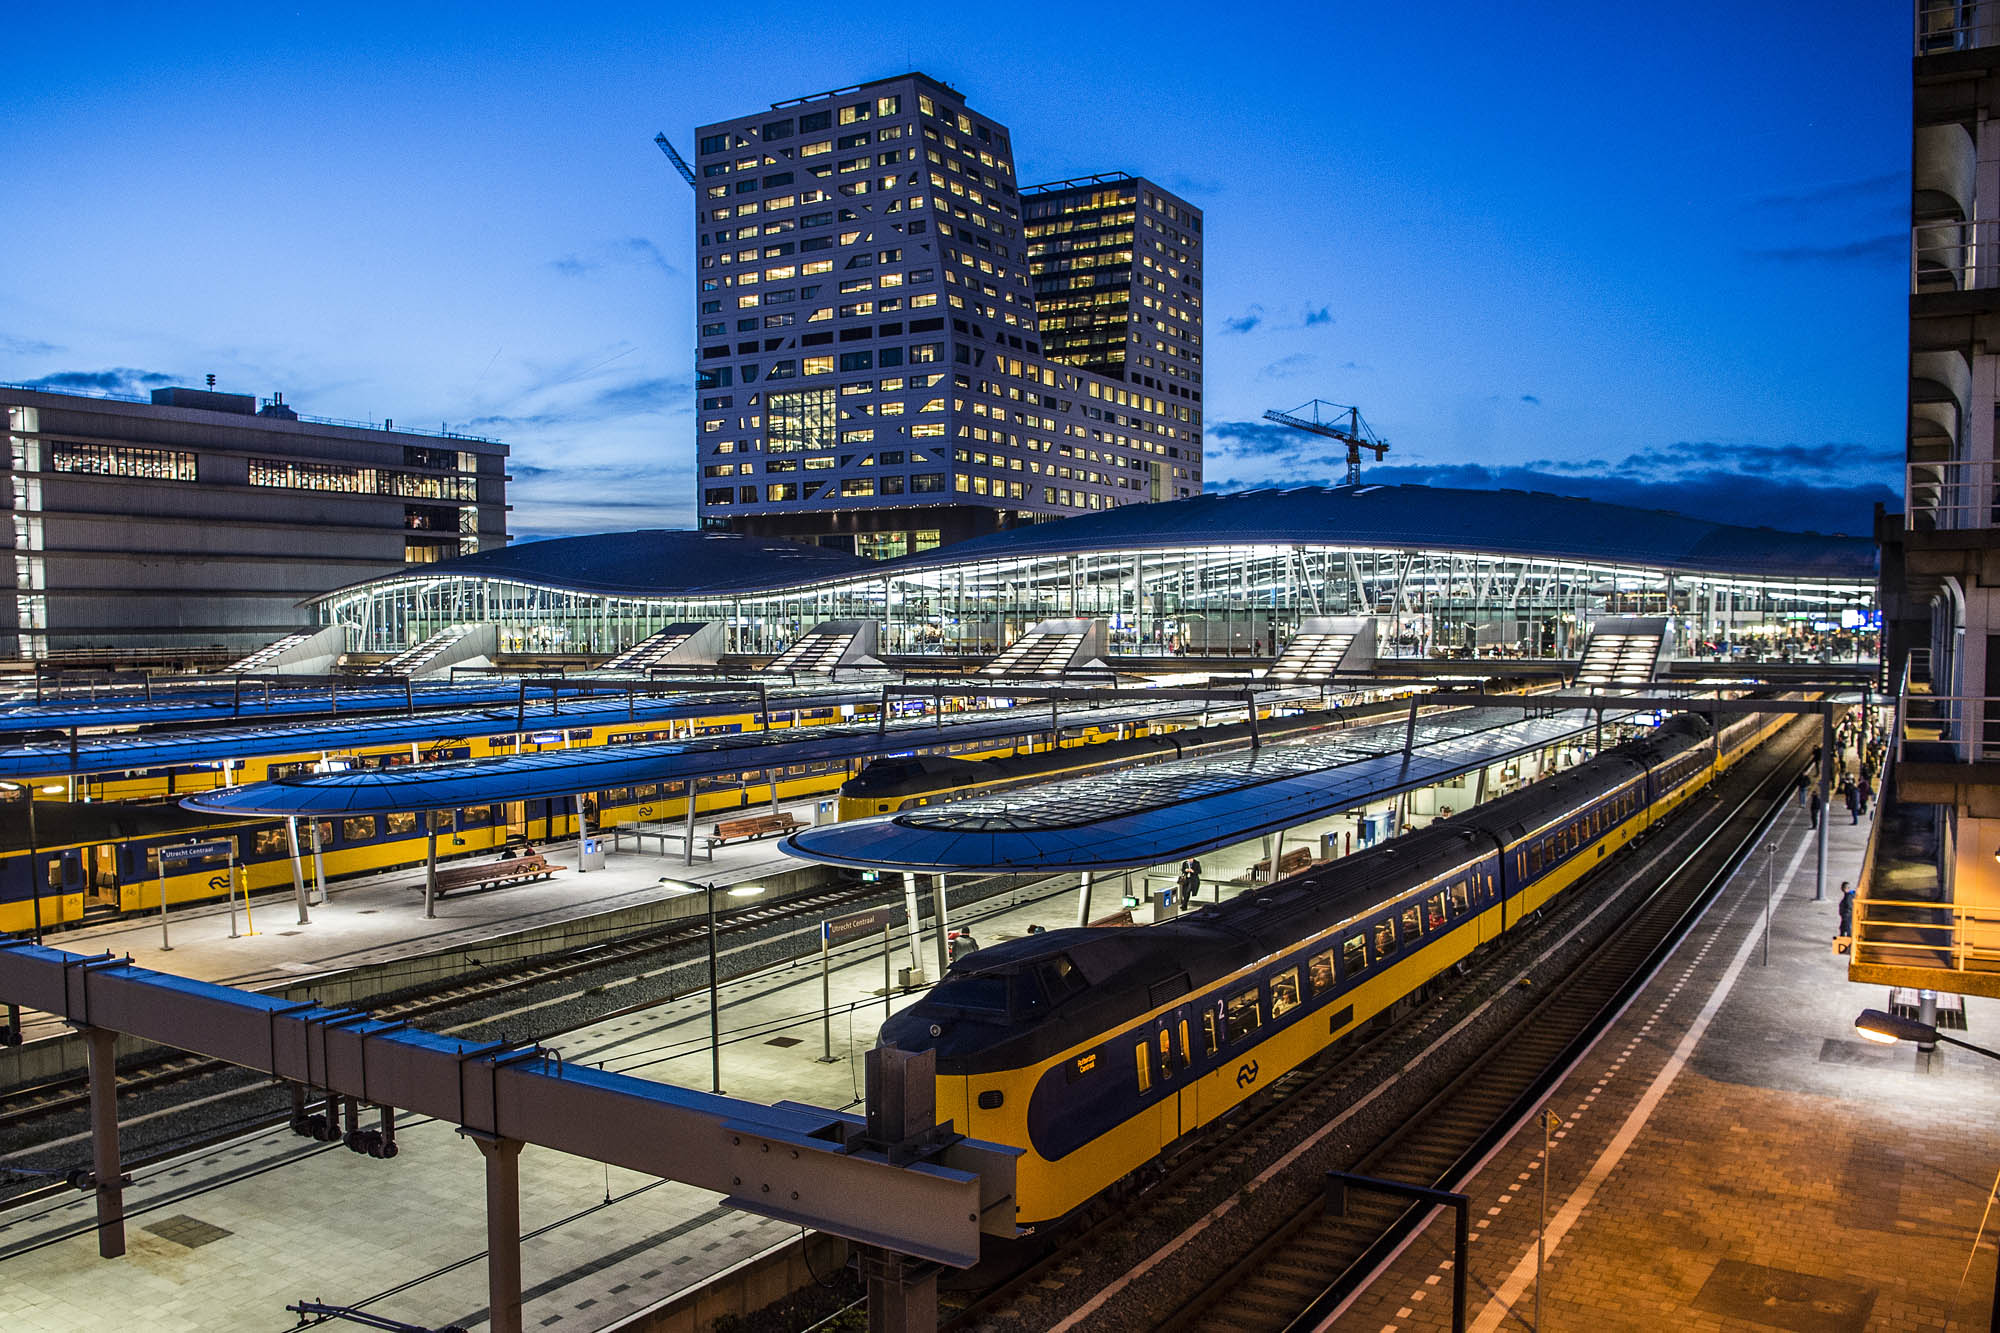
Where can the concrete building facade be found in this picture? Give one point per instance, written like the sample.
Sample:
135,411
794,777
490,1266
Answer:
200,520
872,368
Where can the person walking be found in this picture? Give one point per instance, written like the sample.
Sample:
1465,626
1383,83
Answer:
1812,809
1851,794
1846,930
1799,786
1867,792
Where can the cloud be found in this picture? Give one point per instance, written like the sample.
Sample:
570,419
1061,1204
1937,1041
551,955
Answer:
27,346
557,499
1322,315
1894,247
1244,322
1890,189
1531,400
635,397
1288,367
1719,496
118,379
1826,487
626,251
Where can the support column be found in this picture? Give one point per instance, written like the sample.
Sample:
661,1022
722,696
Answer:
430,869
319,865
1083,901
1825,803
687,841
902,1292
581,834
1277,855
503,1230
102,1044
916,924
298,871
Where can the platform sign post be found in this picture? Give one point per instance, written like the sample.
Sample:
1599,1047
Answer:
840,930
179,856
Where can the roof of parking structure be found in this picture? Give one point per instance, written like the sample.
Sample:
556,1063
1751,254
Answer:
564,772
1149,816
118,753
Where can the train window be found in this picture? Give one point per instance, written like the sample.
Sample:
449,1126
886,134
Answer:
1461,900
1354,956
1385,938
325,832
1535,859
1319,971
618,796
1242,1016
440,821
1434,916
1187,1051
1413,921
270,842
649,792
359,829
1209,1042
477,816
402,824
1145,1062
1284,992
1059,977
1167,1051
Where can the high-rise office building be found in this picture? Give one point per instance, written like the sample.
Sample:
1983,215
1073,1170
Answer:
875,364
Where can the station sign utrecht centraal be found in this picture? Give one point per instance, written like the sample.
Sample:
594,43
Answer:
855,925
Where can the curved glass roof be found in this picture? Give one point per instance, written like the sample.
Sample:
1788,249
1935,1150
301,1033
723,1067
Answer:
655,562
1150,816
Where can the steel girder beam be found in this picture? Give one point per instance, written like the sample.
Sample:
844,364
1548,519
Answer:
798,1163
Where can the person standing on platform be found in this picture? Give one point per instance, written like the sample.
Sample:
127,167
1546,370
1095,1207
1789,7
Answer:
1812,809
1846,930
1867,792
1799,786
1851,794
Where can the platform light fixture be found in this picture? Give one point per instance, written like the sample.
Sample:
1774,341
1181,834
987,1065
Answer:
1886,1028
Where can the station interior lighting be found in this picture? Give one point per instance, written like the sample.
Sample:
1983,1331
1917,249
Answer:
746,890
1888,1029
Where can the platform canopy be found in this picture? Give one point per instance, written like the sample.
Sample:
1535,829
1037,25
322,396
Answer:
1153,815
560,773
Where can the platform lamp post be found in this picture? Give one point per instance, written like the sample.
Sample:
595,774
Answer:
1888,1029
714,978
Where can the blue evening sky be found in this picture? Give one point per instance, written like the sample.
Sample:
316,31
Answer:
1655,253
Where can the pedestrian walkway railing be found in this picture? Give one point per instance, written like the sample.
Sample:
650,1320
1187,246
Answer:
1944,26
1951,496
1954,255
1947,728
1918,932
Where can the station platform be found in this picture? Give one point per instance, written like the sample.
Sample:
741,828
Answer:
1732,1156
380,918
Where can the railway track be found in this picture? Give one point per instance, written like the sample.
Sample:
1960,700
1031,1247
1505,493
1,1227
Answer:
1283,1283
1287,1273
620,958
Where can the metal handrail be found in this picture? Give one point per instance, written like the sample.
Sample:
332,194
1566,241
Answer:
1953,255
1952,494
1957,720
1943,26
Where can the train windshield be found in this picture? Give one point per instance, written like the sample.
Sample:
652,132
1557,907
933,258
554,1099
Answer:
981,994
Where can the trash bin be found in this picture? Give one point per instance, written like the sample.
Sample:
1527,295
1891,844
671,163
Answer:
593,854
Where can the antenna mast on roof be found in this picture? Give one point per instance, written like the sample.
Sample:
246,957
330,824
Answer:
1326,421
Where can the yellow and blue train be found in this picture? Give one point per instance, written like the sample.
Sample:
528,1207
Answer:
1094,1049
99,859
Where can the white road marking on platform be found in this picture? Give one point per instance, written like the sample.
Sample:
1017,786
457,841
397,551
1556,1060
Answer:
1523,1276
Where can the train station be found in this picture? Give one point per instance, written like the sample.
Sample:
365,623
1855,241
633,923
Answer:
984,870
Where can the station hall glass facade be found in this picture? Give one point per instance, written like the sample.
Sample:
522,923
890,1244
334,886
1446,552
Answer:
1207,599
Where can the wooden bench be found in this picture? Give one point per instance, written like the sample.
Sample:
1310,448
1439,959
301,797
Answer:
752,826
492,874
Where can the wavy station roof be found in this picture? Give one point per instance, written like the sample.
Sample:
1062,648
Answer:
1153,815
560,773
1530,524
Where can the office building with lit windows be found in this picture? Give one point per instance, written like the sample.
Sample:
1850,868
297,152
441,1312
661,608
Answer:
877,369
202,520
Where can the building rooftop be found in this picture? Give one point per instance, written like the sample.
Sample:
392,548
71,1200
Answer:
1523,523
656,562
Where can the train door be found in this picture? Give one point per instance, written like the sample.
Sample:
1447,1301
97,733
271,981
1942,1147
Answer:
517,820
1168,1050
100,876
68,877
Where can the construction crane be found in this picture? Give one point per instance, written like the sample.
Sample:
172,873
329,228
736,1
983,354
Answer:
680,163
1327,420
